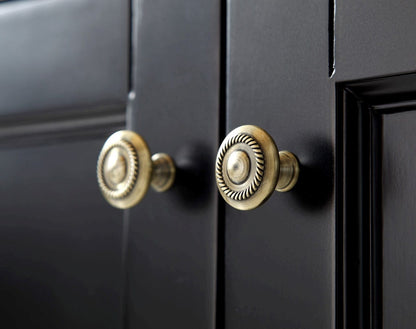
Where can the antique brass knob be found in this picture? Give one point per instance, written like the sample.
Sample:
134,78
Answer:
125,170
249,168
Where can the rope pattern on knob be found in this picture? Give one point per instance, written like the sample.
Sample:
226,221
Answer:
132,170
259,167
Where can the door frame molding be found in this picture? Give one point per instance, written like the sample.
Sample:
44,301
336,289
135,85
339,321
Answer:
361,105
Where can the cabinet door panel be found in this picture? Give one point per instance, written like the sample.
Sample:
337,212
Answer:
375,202
280,257
172,238
374,38
399,227
63,54
60,244
303,260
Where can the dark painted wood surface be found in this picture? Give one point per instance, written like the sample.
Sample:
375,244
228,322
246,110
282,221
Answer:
63,54
281,265
63,85
280,257
60,244
173,236
370,258
399,226
374,38
67,262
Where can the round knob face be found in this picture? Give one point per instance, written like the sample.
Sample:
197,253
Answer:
238,167
115,167
124,169
247,167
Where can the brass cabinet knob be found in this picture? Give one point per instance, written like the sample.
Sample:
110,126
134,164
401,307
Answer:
249,168
125,169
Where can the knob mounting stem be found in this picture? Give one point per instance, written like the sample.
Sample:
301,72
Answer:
289,171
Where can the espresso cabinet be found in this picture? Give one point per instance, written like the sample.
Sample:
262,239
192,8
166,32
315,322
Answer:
332,81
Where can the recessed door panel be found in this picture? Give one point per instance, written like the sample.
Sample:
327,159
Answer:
63,55
375,212
60,244
398,214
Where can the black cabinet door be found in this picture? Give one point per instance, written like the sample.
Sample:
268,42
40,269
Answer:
72,73
63,88
172,239
332,81
280,257
328,80
58,55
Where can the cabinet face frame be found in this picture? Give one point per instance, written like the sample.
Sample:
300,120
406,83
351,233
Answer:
361,109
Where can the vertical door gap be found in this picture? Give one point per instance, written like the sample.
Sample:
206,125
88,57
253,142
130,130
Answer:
331,37
222,126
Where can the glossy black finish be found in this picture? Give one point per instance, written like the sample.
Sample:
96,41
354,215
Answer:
399,227
60,243
293,262
172,236
63,54
327,79
280,257
63,88
366,250
358,223
374,38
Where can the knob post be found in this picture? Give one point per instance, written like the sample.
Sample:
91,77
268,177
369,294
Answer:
164,171
289,171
